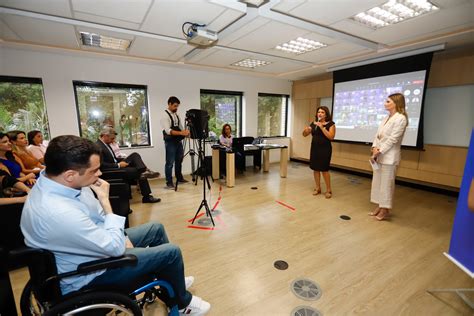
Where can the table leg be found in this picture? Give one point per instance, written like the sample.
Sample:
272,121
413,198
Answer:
230,170
283,162
215,164
266,160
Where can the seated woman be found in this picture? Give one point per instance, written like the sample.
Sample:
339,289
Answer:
9,164
12,191
36,146
226,137
28,162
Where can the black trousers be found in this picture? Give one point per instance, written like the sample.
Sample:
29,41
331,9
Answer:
134,171
135,160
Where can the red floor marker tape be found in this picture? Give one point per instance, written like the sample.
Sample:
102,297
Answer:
202,227
286,205
200,214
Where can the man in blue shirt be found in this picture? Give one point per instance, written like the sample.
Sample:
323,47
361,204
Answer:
62,215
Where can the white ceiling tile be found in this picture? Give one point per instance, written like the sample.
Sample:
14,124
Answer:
329,11
6,32
107,21
352,27
53,7
131,11
287,6
222,58
333,52
153,48
43,32
279,67
268,36
430,24
244,30
224,19
180,52
166,17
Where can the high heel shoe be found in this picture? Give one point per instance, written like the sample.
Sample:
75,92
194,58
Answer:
328,195
375,212
317,191
383,214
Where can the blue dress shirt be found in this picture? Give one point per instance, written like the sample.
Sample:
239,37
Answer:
73,225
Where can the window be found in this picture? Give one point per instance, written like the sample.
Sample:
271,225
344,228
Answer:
272,115
121,106
22,105
223,107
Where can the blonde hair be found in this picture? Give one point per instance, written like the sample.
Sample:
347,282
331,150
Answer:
399,101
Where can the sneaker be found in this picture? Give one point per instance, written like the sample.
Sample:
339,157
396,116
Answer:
169,186
183,180
189,280
197,307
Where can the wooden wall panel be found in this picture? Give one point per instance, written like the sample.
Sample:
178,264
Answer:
439,166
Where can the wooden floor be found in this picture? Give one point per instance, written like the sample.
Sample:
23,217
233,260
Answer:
363,266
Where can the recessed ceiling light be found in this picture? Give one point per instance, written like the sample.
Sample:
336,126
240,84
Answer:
251,63
96,40
394,11
300,46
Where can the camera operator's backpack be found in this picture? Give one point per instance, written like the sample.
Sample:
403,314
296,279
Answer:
171,138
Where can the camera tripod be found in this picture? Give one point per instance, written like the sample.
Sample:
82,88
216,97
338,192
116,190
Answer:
205,180
201,168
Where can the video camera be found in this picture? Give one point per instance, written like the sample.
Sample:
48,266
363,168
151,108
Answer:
198,123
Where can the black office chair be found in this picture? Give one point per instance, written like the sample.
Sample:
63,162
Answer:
240,153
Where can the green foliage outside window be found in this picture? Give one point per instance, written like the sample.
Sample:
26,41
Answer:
272,115
123,107
22,105
222,109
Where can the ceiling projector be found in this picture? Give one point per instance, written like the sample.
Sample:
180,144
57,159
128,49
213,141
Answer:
201,36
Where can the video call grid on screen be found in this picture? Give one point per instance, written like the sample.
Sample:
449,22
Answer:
358,107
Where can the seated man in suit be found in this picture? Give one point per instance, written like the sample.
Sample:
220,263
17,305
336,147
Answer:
132,165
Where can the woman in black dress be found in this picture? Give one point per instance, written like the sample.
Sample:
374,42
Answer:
323,131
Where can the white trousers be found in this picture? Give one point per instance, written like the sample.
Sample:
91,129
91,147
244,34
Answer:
383,186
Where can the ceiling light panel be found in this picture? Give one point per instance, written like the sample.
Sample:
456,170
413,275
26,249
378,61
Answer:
251,63
97,40
300,46
394,11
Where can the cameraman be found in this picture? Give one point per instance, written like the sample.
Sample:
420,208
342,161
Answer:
173,134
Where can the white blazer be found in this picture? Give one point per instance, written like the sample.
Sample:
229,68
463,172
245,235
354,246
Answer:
389,139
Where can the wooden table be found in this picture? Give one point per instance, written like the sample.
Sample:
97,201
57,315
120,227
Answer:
230,161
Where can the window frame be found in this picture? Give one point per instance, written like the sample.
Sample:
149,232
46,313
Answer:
238,109
96,84
287,96
31,80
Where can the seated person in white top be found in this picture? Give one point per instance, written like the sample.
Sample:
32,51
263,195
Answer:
36,146
62,215
226,137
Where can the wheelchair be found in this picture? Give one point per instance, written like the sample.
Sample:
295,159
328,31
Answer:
42,294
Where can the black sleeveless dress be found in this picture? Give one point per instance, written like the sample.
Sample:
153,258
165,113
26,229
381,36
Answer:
321,149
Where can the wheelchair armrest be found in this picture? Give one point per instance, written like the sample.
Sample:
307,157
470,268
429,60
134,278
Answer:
108,263
91,266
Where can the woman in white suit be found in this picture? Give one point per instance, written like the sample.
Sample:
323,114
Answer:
386,152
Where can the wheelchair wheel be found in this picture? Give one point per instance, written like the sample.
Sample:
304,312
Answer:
28,304
96,303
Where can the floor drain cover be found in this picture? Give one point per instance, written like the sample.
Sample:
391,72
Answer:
305,311
206,221
254,188
306,289
280,265
345,217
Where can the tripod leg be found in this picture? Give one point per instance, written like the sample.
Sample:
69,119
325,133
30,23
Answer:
197,212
